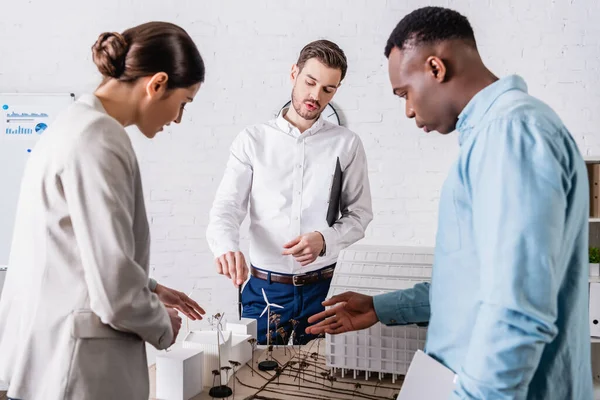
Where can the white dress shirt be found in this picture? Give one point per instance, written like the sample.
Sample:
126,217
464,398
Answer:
284,178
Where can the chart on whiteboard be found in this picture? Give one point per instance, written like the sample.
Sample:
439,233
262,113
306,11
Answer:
24,119
23,124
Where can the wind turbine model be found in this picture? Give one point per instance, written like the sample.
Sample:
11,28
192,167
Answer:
268,365
220,391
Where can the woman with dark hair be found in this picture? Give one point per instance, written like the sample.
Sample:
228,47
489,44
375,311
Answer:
78,305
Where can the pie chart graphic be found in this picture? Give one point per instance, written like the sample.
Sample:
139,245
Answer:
41,127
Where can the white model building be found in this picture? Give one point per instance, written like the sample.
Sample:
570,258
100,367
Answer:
207,342
232,344
244,326
380,269
373,270
242,330
179,374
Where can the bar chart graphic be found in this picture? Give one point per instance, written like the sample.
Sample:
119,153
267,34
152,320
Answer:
19,130
25,123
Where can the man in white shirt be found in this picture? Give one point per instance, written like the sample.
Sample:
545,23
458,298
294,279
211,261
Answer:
297,172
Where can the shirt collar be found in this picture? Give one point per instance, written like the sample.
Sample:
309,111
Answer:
290,129
479,105
92,101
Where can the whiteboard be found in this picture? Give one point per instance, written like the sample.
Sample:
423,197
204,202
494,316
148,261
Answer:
24,118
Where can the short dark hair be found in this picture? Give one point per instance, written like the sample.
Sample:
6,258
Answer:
326,52
430,25
147,49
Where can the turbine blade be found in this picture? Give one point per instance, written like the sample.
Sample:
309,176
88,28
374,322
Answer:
264,311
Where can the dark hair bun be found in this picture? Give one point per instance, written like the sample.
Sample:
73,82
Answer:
109,54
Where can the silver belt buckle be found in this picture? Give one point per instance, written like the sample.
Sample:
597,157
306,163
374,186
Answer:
294,280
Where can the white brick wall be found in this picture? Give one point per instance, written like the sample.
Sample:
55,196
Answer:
249,46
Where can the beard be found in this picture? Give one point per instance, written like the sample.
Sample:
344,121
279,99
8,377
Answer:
301,109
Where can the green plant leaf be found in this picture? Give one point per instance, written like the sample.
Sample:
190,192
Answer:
594,255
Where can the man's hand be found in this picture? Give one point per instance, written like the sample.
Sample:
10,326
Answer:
175,322
305,248
233,265
179,301
354,312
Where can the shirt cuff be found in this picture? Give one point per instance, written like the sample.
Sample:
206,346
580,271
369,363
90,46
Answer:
152,284
330,238
219,250
386,308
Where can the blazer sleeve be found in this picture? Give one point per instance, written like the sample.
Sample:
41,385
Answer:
99,187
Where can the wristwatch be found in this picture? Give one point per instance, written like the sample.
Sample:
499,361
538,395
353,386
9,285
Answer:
322,253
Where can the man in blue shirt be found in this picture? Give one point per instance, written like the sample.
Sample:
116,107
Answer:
508,303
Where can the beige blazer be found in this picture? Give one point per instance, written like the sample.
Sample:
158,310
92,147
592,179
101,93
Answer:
76,309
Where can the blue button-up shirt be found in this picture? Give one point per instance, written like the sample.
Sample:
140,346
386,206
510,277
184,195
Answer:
508,301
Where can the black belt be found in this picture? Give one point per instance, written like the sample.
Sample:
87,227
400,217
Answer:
296,280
